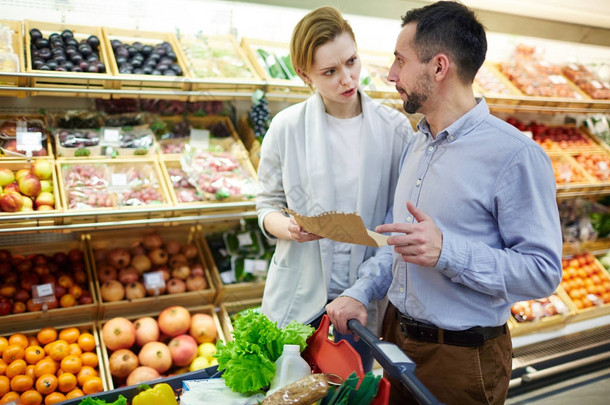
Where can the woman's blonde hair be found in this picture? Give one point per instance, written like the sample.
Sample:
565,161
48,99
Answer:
318,27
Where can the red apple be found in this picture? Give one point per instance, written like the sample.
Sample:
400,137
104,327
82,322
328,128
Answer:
43,169
29,185
11,202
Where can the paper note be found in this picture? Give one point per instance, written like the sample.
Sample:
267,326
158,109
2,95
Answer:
340,227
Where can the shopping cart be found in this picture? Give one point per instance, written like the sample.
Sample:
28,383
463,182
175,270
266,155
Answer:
326,356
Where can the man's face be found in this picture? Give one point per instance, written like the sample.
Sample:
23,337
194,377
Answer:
412,80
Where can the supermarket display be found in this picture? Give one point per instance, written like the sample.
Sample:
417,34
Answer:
134,151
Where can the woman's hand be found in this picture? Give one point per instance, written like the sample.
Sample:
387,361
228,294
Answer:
298,234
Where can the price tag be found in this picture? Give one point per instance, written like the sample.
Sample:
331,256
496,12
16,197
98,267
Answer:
596,84
119,179
529,134
244,239
556,79
43,293
154,280
255,266
228,277
29,141
200,138
111,137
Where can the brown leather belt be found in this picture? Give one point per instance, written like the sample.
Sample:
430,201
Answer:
426,332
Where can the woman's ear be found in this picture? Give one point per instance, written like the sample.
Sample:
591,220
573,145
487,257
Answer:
304,76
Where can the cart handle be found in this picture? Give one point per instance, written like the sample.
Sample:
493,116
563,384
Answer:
395,362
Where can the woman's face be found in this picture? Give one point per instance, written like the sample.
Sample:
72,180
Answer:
335,71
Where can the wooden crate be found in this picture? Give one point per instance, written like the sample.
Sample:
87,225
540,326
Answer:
36,217
227,292
216,83
147,82
69,80
90,327
117,238
201,309
55,316
6,154
17,43
489,72
603,308
545,323
229,309
275,87
246,133
147,165
583,183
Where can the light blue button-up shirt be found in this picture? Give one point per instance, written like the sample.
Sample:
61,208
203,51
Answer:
491,192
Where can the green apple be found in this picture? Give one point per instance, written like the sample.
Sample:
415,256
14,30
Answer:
207,350
6,176
46,185
199,363
43,169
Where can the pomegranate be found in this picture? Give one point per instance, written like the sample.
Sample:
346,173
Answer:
147,330
156,355
196,283
203,328
175,286
122,362
118,333
112,290
174,320
135,290
142,374
128,275
152,241
183,349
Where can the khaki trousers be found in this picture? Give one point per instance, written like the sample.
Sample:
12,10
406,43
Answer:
453,374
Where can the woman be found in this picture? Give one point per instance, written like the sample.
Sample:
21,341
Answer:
338,150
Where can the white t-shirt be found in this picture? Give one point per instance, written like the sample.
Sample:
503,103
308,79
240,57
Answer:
345,135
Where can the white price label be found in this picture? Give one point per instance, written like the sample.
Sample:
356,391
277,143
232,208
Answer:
29,141
43,290
112,136
228,277
529,134
255,266
119,179
603,166
200,139
154,280
596,84
244,239
556,79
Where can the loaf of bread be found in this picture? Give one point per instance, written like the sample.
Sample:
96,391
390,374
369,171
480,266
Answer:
305,391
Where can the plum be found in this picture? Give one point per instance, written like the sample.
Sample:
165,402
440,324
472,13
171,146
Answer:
93,41
67,34
41,43
35,34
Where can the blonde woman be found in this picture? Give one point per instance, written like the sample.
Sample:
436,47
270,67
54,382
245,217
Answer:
337,150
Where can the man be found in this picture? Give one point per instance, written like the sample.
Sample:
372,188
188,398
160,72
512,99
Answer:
475,220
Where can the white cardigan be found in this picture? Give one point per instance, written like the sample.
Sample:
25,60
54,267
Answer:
293,172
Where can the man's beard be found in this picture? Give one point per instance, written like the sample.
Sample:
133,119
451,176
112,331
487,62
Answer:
419,95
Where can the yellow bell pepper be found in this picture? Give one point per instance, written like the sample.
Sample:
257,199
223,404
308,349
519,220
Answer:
160,394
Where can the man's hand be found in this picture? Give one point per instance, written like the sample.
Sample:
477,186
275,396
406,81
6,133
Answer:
342,309
420,243
298,234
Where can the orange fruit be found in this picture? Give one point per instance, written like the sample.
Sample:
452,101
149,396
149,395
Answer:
3,344
45,366
75,393
54,398
29,371
31,397
71,363
70,335
33,354
58,350
89,359
74,348
92,385
46,335
86,341
10,396
66,382
46,384
85,372
16,368
3,367
21,383
18,339
12,353
32,341
5,385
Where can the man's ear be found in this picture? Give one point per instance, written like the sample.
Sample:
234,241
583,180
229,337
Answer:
441,66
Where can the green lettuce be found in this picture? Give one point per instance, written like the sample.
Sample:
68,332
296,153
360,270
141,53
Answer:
248,361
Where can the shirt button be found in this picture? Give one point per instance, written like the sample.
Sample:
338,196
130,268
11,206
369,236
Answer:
402,290
418,182
451,137
431,148
409,219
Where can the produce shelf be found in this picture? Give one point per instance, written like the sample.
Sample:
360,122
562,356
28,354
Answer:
17,43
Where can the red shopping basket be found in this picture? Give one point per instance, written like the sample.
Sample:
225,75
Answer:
326,356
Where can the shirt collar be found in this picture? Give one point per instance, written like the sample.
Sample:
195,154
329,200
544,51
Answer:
461,126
